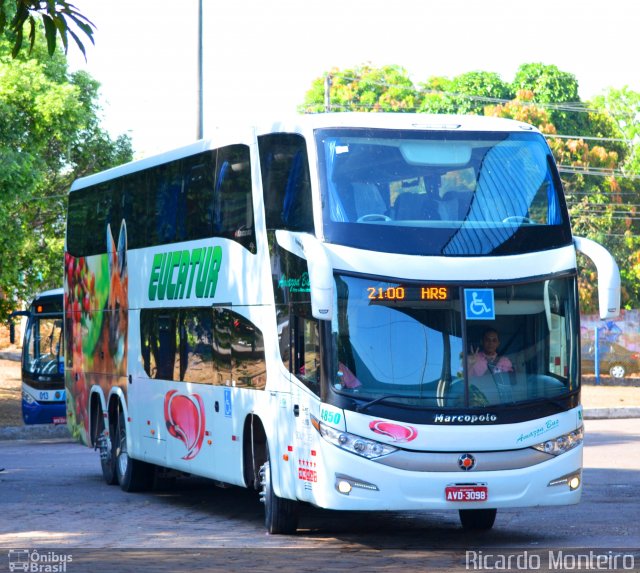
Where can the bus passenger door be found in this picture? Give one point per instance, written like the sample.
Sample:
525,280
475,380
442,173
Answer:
305,388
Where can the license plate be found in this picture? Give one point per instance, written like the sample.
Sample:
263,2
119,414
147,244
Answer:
466,493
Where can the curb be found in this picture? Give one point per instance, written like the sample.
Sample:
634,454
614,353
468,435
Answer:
611,413
35,432
10,355
51,432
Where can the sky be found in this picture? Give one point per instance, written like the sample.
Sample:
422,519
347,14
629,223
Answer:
261,56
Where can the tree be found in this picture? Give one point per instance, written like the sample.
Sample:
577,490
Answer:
466,93
50,134
556,88
623,106
364,88
55,18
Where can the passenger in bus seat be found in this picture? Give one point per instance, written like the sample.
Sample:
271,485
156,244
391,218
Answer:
347,378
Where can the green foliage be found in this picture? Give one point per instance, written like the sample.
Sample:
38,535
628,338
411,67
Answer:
364,89
438,96
49,134
622,106
54,17
466,93
549,85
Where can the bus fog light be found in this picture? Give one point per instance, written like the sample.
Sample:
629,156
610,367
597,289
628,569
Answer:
345,483
573,480
344,487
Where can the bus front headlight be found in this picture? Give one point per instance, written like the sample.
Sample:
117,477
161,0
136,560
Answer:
562,444
358,445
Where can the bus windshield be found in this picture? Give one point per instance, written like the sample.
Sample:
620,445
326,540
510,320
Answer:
440,193
43,346
419,344
43,393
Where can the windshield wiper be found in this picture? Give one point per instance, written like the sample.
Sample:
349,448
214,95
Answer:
363,407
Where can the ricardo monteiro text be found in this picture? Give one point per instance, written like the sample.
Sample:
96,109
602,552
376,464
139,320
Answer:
550,561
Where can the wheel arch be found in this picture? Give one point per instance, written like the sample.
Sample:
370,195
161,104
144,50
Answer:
97,405
254,450
116,404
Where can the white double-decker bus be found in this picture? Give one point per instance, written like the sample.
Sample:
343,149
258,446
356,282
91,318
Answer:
298,309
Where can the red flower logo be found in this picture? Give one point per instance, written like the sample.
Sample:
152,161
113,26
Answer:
185,419
396,432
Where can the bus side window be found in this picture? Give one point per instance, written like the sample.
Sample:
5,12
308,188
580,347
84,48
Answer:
196,345
233,211
136,209
247,353
222,333
306,352
167,182
88,217
198,197
160,344
284,334
79,203
286,181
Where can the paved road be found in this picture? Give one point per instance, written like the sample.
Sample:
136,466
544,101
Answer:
52,497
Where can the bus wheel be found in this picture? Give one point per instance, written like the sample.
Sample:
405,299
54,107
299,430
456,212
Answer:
133,475
280,515
477,518
107,451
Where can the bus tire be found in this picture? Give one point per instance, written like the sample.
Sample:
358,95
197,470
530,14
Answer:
280,515
107,450
478,519
133,475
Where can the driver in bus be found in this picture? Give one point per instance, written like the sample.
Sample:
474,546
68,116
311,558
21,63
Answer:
485,359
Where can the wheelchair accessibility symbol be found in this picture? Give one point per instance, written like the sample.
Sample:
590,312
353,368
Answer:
479,304
227,403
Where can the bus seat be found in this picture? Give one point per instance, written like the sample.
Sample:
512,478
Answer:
415,206
455,205
367,199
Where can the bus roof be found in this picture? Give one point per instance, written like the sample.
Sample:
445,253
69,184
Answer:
308,122
415,121
52,292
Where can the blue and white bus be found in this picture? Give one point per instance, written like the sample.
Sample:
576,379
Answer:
297,308
43,393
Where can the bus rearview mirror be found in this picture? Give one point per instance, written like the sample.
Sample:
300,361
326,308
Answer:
608,276
321,287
